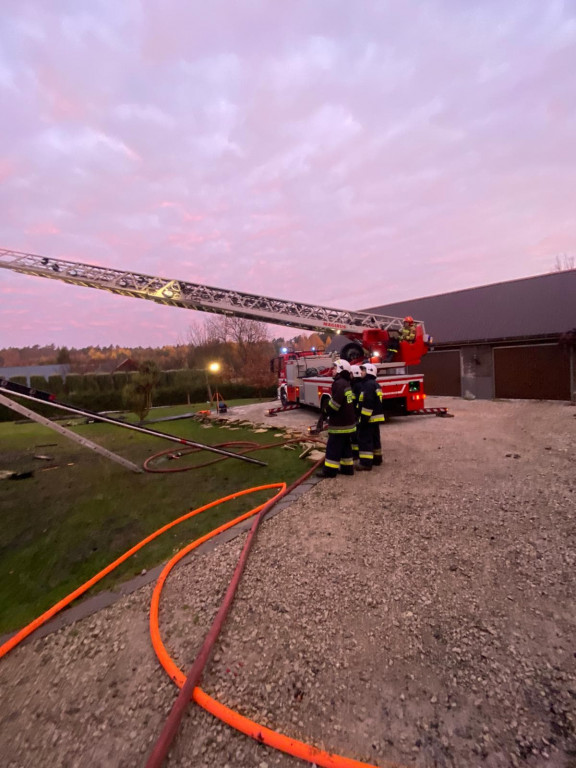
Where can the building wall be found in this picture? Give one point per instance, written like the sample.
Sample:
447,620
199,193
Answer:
478,371
442,371
536,371
517,371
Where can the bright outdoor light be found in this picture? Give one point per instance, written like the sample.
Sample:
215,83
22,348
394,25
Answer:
214,367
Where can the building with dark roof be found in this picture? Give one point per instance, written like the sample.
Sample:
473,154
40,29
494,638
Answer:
506,340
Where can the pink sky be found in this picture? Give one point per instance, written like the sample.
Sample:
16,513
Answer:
345,154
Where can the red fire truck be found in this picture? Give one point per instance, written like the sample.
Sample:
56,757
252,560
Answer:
303,376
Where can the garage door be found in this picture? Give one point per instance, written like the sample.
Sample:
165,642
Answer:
538,372
442,375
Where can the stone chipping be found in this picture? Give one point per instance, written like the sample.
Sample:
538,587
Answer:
422,613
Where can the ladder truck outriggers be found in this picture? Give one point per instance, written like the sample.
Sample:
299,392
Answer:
304,378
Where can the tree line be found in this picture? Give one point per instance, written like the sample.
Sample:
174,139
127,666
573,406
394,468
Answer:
242,348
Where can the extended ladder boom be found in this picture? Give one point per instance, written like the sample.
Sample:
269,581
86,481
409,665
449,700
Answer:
179,293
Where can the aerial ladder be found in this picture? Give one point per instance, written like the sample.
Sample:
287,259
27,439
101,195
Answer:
369,333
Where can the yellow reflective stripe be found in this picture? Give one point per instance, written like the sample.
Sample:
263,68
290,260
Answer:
331,464
334,404
377,452
375,419
366,411
366,455
341,430
347,462
361,398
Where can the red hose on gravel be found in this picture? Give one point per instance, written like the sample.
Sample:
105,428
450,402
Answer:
188,687
170,728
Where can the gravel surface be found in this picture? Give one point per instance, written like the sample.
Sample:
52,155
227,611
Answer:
422,613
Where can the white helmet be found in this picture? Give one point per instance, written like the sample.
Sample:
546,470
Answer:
341,365
370,369
355,371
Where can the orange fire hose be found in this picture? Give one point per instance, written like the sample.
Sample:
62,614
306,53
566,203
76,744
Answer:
57,607
229,716
234,719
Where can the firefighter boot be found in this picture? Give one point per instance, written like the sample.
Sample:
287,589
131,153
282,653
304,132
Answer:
324,473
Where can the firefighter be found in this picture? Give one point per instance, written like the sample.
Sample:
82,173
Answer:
356,384
341,417
370,418
408,332
393,346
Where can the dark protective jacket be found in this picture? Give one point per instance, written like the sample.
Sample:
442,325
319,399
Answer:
356,385
370,401
393,347
341,412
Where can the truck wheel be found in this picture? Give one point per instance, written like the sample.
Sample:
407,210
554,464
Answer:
352,352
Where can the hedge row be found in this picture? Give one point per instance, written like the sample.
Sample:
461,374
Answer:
92,392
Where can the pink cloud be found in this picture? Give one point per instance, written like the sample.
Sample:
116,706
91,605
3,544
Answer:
43,228
391,150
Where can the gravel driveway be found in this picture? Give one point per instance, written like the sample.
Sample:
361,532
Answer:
423,613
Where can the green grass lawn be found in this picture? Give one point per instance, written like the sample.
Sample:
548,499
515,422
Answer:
79,511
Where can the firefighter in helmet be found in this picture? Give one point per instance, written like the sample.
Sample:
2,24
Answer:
341,416
408,332
370,417
356,384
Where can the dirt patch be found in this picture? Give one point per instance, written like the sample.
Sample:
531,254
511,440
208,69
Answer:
422,613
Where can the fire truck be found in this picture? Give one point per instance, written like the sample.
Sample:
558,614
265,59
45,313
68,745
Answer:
304,378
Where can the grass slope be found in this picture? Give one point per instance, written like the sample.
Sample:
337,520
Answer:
80,511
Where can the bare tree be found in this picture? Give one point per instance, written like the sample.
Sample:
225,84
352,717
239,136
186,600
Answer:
242,331
564,262
202,332
239,344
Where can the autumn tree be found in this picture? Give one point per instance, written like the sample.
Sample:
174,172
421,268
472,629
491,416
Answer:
138,393
240,345
63,356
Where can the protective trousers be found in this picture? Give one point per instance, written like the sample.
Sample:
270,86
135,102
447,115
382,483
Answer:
365,434
376,444
354,443
339,454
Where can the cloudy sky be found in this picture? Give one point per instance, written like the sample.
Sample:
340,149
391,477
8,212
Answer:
341,153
